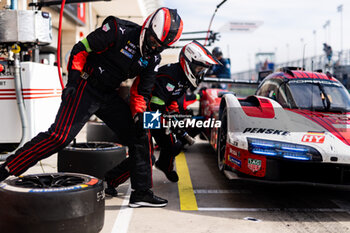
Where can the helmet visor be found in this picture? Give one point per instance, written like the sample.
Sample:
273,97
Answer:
198,71
152,46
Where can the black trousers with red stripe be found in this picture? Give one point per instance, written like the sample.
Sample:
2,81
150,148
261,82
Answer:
169,148
79,102
122,171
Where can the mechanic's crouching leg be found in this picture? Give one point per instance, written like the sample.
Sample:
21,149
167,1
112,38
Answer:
165,162
117,176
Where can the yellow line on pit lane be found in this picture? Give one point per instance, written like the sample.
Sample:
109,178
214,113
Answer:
187,198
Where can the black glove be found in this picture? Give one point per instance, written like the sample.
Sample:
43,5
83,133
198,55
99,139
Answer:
68,91
71,87
73,76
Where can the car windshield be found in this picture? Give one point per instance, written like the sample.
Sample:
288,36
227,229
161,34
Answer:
318,95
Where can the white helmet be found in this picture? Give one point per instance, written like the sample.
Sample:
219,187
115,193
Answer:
195,61
163,27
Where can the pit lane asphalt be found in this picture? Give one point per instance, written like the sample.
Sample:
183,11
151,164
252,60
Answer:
229,205
222,205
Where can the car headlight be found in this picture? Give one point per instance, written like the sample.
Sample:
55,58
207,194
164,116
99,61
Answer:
282,150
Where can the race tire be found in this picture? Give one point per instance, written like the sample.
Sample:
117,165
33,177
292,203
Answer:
92,158
53,202
99,132
222,138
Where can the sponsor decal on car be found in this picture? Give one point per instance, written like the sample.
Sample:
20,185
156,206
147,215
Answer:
241,160
235,161
313,137
234,152
254,164
266,131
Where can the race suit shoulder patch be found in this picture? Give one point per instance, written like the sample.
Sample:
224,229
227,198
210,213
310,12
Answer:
126,53
170,87
106,27
142,62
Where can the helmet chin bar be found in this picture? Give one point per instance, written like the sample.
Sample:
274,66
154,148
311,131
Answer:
198,70
147,45
150,52
193,80
191,77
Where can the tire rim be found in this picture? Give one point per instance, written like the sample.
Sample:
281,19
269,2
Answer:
104,146
93,145
48,181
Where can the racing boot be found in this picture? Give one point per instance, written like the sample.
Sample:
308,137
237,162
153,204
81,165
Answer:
145,198
171,175
116,176
110,190
4,172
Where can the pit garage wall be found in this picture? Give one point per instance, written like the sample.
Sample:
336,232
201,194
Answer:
133,10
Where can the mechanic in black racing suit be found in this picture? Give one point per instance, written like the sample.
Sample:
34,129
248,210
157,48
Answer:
116,51
184,102
171,83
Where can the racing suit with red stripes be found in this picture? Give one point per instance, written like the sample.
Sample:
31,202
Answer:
97,66
171,83
185,100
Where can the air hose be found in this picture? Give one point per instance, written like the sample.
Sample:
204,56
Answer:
20,102
211,21
59,44
18,85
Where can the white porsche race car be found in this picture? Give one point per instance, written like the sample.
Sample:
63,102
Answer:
296,128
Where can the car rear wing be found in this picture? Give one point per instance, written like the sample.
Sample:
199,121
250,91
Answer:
227,80
261,76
